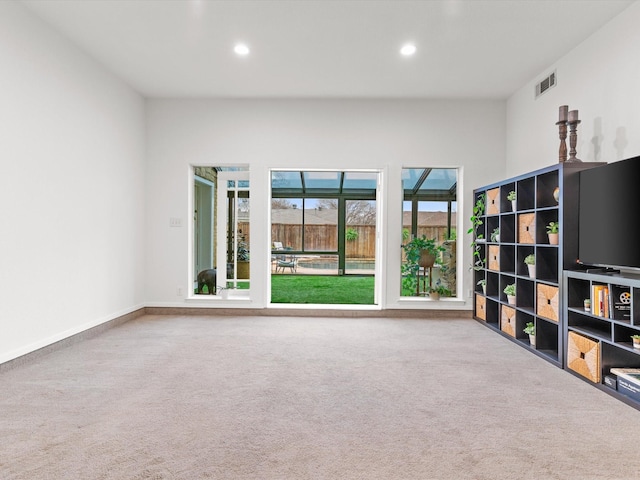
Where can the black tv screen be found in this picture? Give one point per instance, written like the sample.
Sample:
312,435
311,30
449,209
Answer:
609,215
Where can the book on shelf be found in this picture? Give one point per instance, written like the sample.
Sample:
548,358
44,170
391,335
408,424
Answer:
630,374
600,300
620,302
628,388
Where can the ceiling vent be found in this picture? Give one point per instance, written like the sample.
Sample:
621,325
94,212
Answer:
546,84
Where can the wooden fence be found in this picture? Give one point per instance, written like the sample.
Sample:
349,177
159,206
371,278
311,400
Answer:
325,238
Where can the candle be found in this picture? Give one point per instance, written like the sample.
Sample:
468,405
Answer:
563,113
573,116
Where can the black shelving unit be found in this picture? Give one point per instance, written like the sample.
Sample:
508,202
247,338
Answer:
547,195
606,341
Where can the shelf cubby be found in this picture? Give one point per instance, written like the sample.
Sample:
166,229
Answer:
547,263
526,193
545,189
543,218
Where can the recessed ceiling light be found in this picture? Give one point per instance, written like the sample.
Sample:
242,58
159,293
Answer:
408,49
241,49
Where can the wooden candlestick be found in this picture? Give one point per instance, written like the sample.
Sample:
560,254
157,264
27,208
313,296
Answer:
573,138
562,154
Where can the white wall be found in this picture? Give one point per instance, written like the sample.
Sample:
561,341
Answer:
599,78
340,134
71,188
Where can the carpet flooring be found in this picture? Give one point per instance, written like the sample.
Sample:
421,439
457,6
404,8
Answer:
195,397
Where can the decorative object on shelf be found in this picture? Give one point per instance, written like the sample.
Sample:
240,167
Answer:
573,136
636,341
562,125
556,194
587,305
530,329
420,252
552,231
483,284
512,198
495,235
530,261
476,221
510,292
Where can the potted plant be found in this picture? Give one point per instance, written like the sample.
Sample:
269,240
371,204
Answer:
495,235
552,231
242,257
483,284
439,291
420,252
530,329
478,237
636,341
510,292
530,261
512,198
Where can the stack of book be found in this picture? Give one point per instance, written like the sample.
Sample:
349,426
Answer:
612,301
628,381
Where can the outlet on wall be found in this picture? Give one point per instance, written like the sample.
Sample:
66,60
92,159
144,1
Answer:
179,291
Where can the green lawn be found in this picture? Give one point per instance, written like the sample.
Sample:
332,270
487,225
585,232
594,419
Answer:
322,289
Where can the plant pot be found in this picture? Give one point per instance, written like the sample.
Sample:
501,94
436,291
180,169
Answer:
514,206
243,270
427,259
553,238
484,289
532,340
224,293
434,296
511,299
532,271
636,342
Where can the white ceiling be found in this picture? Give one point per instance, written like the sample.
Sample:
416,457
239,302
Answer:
328,48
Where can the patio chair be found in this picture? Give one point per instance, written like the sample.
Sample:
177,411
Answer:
285,261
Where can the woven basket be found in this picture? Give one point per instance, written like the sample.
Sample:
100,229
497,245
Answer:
493,201
508,320
494,257
583,356
481,304
548,299
527,228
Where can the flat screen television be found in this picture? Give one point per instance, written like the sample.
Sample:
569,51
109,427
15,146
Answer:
610,214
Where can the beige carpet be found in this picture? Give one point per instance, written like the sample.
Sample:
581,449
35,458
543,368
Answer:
166,397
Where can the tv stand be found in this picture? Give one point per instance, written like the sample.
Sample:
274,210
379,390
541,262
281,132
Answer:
604,337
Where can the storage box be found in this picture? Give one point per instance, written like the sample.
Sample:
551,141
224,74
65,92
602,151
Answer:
493,201
527,228
583,357
548,299
494,257
508,320
481,306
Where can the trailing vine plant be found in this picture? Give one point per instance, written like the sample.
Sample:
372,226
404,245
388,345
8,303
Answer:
476,221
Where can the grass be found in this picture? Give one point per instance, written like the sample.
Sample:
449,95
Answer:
320,289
